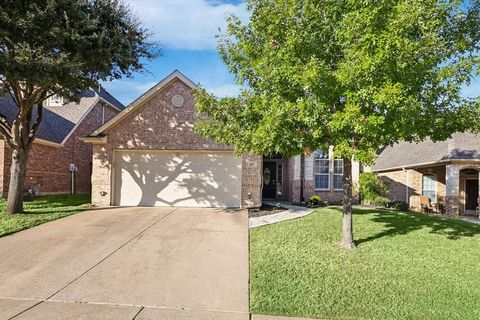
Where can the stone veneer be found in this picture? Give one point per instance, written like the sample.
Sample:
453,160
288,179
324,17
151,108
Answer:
157,125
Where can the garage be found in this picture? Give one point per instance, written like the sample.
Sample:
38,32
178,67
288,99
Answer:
177,178
150,154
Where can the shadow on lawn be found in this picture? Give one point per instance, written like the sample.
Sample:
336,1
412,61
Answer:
401,223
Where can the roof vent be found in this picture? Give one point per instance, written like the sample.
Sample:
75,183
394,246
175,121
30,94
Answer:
177,101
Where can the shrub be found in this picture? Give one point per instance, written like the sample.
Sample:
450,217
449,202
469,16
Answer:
379,201
398,205
315,200
372,187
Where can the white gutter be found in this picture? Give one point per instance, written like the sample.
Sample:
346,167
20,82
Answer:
94,140
427,164
47,143
407,198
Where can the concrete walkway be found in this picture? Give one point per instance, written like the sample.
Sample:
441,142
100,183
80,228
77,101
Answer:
128,263
293,212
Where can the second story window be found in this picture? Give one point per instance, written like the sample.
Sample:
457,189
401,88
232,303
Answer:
322,170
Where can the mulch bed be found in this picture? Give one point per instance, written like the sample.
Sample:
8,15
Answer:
264,210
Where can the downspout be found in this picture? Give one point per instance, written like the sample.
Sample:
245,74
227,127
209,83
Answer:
302,176
407,198
103,114
73,182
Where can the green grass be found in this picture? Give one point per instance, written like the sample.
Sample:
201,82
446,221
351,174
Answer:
41,210
405,266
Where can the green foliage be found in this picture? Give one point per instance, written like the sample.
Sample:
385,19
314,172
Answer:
68,46
398,205
393,274
60,47
379,201
371,187
315,200
357,75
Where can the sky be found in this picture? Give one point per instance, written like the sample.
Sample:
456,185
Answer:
186,31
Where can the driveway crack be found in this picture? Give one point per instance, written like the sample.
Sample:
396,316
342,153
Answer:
139,311
29,308
108,256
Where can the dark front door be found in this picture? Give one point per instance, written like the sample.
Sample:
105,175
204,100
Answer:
269,183
471,194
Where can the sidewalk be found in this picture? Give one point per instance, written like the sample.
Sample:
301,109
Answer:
293,212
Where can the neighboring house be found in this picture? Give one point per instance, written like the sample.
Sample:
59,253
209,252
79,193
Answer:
447,172
149,154
57,150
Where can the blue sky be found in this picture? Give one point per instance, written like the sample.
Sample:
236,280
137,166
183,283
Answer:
186,30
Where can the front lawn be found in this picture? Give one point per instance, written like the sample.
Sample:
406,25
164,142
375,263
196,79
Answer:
41,210
405,266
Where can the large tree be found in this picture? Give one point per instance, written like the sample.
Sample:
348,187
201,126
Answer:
356,75
60,47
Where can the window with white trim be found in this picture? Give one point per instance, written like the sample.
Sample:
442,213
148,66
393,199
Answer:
429,186
322,170
338,174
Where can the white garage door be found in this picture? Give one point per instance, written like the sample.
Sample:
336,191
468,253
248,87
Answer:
177,179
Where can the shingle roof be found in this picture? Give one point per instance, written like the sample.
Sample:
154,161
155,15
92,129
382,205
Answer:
111,99
59,121
465,146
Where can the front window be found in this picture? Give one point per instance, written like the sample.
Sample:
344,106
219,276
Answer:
322,171
429,186
338,174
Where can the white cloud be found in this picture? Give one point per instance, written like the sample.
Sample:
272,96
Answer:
186,24
228,90
126,91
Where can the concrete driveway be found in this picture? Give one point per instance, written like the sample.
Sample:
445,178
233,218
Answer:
128,263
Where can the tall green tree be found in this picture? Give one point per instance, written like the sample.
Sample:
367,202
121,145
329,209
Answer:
357,75
60,47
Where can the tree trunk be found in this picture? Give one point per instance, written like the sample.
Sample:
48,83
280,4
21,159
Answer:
302,177
347,228
18,171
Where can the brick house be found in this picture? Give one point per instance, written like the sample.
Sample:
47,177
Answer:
447,172
150,155
57,144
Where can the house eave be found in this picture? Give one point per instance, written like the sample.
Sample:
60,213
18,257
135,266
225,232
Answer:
47,143
427,164
94,140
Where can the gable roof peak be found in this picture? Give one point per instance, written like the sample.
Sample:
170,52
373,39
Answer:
162,84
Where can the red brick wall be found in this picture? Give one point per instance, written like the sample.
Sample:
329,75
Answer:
331,196
157,124
47,167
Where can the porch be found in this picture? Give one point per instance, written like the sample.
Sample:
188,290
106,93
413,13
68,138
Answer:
451,189
462,189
